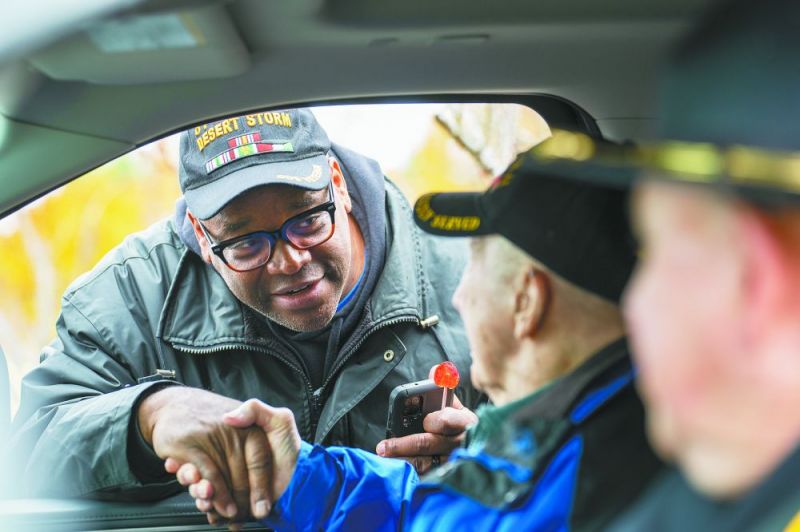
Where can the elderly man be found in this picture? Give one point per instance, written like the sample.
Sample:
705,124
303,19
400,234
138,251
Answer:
564,445
286,275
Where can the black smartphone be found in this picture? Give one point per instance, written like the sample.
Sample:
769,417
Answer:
408,406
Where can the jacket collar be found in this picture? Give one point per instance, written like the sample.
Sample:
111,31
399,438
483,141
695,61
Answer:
582,390
499,469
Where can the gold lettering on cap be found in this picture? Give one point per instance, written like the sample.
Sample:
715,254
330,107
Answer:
208,132
274,118
455,223
283,119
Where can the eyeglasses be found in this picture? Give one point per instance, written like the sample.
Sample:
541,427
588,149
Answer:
305,230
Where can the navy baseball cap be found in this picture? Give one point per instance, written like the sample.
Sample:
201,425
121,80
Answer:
576,229
223,159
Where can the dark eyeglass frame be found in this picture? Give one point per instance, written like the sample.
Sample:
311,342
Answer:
273,236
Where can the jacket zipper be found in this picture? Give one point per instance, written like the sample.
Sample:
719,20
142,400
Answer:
360,342
230,347
319,393
317,397
312,394
316,410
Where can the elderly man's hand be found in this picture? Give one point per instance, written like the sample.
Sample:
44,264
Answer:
186,425
282,447
445,430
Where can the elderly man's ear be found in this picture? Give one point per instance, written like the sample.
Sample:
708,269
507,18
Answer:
532,303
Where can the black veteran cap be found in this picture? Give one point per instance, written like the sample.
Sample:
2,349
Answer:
578,230
221,160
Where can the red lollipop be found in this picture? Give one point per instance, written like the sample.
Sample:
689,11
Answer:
446,376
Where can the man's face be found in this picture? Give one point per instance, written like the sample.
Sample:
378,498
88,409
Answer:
298,289
682,307
485,303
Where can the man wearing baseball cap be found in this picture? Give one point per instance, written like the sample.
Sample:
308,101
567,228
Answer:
714,309
563,446
292,272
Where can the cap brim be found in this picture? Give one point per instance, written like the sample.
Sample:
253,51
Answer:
749,172
312,173
452,214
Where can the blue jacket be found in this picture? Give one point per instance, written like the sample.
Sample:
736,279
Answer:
569,457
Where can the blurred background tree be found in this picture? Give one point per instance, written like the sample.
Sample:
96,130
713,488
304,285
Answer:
49,243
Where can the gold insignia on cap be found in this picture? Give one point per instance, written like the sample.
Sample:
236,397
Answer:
794,524
315,175
682,161
423,208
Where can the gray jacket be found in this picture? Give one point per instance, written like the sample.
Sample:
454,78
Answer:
152,304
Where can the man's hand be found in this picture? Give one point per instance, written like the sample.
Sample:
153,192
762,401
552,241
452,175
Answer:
444,431
186,425
282,445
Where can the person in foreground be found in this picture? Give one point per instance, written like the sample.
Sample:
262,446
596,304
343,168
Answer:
286,273
563,446
713,309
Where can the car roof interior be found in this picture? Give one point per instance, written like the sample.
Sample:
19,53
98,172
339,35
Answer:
87,91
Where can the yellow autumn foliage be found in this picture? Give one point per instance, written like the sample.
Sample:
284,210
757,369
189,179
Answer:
49,243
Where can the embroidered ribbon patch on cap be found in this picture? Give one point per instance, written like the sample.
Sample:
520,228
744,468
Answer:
245,146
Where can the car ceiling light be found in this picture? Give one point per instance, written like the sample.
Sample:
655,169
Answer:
27,28
146,32
191,44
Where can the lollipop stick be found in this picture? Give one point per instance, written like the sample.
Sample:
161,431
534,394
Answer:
447,397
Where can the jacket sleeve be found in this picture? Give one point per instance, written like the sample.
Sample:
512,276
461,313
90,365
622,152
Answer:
70,436
340,488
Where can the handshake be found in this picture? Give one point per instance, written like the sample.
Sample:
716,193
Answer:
247,473
237,458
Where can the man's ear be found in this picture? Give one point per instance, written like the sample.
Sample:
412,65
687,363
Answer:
766,273
337,176
205,248
532,302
